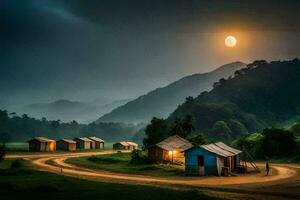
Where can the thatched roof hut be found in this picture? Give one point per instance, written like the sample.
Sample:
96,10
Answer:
125,145
66,145
42,144
169,150
84,143
99,143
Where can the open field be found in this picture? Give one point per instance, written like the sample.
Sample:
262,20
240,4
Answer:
15,182
17,147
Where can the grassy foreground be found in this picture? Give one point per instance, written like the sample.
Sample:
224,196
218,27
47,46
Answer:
18,181
120,162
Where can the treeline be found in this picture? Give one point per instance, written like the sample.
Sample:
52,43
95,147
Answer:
159,129
22,128
272,143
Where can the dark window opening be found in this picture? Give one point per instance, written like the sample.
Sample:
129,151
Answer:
200,161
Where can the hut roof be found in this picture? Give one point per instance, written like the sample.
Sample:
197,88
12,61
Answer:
174,142
228,148
127,143
96,139
84,139
42,139
221,149
69,141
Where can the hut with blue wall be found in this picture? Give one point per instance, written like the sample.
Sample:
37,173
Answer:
211,159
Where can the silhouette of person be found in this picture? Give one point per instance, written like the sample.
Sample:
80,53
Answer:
267,167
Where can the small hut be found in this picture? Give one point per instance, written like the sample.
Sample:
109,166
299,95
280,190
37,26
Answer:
42,144
99,143
169,150
66,145
84,143
125,145
212,159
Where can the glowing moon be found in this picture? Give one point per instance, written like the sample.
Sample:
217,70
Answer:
230,41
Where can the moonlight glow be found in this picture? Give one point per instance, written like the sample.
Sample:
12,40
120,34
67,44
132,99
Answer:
230,41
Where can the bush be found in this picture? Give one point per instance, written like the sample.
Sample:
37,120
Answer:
198,139
278,142
139,157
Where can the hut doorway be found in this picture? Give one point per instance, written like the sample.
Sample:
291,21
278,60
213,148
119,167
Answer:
201,165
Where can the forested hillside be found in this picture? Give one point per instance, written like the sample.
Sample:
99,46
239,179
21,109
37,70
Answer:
162,101
263,94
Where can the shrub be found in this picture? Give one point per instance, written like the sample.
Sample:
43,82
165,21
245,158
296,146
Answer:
139,157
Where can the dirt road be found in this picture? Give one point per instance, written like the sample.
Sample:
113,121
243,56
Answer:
283,182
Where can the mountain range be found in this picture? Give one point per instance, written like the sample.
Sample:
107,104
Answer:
66,110
162,101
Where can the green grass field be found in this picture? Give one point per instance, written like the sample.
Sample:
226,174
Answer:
17,147
18,181
120,162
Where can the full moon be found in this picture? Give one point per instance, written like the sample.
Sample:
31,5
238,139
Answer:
230,41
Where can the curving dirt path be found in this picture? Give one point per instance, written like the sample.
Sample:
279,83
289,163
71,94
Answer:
283,182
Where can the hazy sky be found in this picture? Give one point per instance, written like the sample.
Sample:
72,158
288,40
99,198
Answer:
87,49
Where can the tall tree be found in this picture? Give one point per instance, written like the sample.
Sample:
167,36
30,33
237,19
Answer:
156,131
177,128
188,125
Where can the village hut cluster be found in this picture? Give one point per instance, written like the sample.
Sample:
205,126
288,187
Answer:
50,145
199,160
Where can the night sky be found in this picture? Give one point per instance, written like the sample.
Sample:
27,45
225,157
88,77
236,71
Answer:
116,49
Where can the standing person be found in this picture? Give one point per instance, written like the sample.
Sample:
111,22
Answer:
267,167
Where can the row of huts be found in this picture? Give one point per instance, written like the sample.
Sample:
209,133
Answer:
211,159
50,145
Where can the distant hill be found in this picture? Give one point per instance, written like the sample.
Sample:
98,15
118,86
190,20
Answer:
263,94
162,101
66,110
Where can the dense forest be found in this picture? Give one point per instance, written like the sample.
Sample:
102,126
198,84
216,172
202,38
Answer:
262,94
22,128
